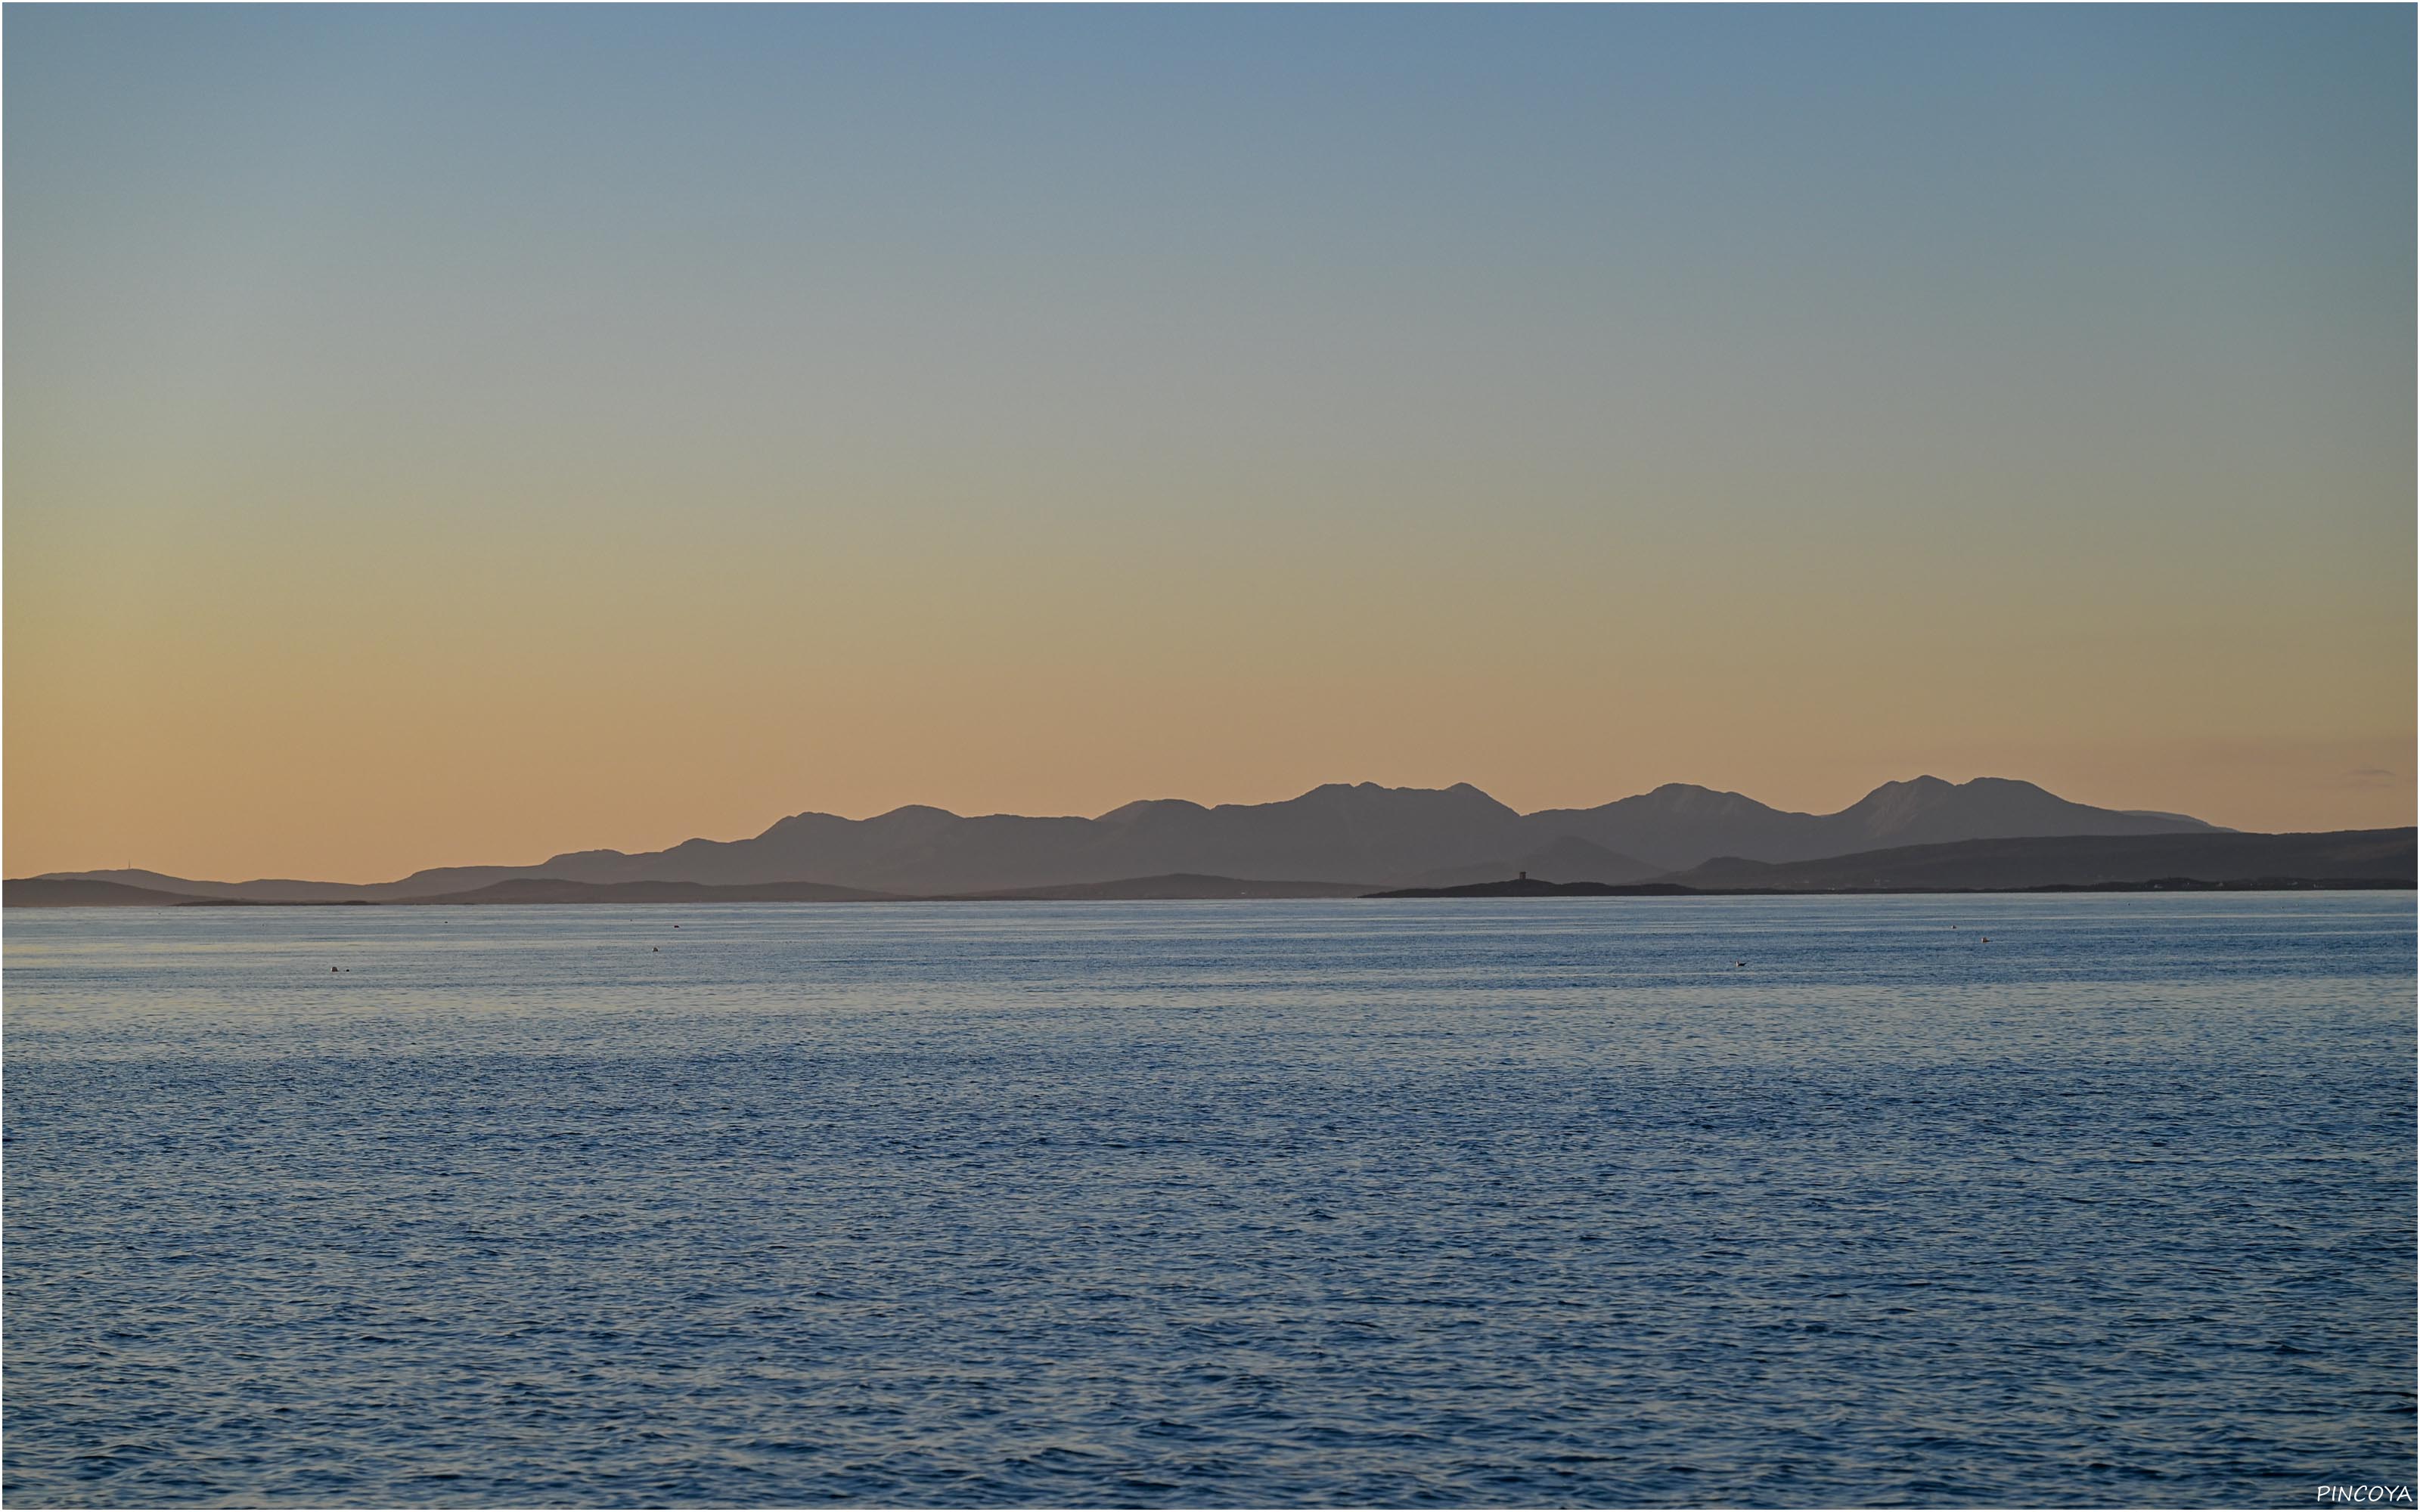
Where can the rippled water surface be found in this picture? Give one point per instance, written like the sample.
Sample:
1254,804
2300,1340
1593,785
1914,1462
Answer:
1573,1201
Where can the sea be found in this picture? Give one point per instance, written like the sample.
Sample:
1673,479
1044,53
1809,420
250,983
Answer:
2042,1200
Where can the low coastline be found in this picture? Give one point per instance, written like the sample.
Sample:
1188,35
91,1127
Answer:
2226,862
34,893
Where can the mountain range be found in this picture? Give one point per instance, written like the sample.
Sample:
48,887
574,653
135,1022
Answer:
1343,835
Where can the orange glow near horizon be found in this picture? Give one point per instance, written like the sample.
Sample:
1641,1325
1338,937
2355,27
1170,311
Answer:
327,728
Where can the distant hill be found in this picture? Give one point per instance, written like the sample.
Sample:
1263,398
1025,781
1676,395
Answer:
289,890
44,892
2340,855
78,893
555,890
2352,857
1386,837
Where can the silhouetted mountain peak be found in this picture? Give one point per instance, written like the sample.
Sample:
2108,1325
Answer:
1142,809
793,822
912,813
1910,796
1688,799
1373,797
1928,809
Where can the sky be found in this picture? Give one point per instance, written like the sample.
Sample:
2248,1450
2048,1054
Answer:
453,434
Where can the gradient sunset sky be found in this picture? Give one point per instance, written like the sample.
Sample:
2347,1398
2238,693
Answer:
445,435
